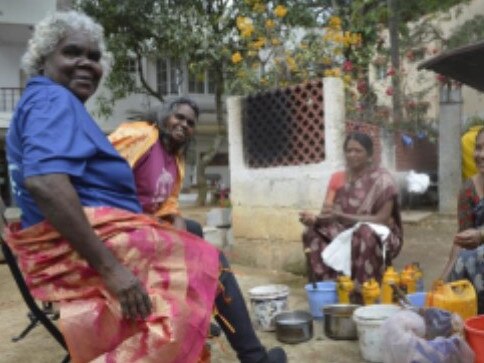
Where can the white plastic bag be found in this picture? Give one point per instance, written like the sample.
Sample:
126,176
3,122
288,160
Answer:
417,182
404,338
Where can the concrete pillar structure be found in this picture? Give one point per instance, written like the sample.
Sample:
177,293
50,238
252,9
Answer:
266,201
450,116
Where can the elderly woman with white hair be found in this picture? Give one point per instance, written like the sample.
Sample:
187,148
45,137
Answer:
129,288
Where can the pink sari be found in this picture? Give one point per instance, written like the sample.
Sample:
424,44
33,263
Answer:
179,271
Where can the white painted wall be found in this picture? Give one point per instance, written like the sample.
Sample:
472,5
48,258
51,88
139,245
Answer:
301,186
10,65
25,11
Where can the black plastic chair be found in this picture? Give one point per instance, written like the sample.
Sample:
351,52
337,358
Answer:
36,314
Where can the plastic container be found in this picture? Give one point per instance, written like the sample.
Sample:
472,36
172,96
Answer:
417,299
345,286
458,297
474,331
371,292
368,321
389,277
324,294
267,301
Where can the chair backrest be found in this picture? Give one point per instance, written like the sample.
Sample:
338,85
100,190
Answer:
22,285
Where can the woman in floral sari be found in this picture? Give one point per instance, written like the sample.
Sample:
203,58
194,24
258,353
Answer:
363,193
130,289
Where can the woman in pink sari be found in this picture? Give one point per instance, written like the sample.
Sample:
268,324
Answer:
129,288
363,193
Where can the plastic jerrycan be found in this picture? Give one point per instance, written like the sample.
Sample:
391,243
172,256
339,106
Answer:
389,277
371,292
458,297
408,279
344,287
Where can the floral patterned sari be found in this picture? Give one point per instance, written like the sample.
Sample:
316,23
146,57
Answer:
365,196
179,271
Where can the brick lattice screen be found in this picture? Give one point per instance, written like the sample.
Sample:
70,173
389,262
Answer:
285,126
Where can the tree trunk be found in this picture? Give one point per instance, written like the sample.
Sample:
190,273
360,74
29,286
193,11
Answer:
393,23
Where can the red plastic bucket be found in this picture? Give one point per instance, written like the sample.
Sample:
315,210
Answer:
474,330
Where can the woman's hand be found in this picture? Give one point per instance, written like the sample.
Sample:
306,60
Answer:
307,218
468,239
59,203
132,296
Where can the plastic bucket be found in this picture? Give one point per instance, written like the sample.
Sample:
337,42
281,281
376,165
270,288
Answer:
417,299
324,294
267,301
474,330
368,321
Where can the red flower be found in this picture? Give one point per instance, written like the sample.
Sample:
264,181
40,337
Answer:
389,91
441,78
361,86
391,71
347,66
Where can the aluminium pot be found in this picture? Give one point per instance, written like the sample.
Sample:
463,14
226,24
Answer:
294,327
338,321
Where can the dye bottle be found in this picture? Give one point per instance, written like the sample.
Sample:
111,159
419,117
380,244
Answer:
408,281
389,277
371,292
344,286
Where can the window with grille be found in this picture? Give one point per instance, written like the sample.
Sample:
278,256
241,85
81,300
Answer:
284,127
169,76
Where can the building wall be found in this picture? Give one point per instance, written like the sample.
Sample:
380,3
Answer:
10,55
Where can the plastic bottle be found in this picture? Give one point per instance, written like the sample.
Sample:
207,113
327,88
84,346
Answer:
458,297
370,291
419,277
408,281
344,286
389,277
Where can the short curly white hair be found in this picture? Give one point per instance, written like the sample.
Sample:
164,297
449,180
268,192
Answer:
55,27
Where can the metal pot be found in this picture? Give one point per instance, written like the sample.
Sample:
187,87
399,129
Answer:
294,327
338,322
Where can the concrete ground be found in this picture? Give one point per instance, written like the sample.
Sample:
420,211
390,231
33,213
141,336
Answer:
427,240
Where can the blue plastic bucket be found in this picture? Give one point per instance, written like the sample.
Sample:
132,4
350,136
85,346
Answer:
417,299
324,294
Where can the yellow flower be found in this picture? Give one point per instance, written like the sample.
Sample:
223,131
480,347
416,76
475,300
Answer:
280,11
270,24
347,79
328,72
258,44
336,72
236,57
334,22
291,63
240,21
247,31
259,8
276,41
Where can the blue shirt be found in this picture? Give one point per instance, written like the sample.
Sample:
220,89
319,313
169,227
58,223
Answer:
52,132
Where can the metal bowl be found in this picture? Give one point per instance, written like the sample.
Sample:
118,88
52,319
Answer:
294,327
338,322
